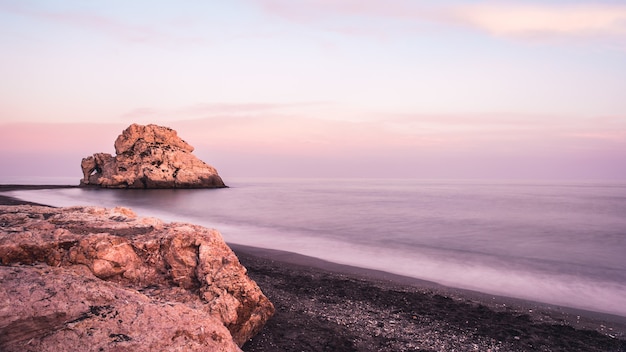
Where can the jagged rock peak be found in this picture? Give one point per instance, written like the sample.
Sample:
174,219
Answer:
149,156
153,135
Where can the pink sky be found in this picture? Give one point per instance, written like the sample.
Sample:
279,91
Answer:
404,146
453,89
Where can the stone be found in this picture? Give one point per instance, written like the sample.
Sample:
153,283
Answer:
60,309
149,156
85,278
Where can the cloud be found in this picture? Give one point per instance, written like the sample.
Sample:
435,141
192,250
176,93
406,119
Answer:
51,138
297,130
118,29
207,110
324,128
448,146
533,20
281,134
276,144
318,10
519,20
276,133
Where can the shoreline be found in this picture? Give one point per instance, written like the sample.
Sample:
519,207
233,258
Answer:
327,306
7,200
496,302
323,306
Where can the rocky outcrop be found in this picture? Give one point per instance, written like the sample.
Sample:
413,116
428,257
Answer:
149,157
88,278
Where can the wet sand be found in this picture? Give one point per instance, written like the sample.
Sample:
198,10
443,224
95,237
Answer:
322,306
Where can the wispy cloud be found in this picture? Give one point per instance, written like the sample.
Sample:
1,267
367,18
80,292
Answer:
208,110
277,133
282,134
533,20
275,144
50,138
315,10
311,127
351,17
516,19
121,30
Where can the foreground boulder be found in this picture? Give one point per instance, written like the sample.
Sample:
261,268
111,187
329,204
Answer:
88,278
149,157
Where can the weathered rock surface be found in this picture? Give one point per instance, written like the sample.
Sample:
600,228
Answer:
86,278
149,157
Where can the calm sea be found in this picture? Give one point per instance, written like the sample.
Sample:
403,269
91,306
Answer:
555,242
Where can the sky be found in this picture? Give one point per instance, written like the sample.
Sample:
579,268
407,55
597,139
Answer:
321,88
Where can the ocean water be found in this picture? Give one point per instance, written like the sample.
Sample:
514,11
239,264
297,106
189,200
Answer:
555,242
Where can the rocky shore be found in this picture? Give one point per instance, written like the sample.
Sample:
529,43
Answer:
321,306
90,278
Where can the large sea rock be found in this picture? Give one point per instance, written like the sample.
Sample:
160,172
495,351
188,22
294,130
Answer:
96,279
149,157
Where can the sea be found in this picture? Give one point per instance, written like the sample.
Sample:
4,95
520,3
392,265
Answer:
556,242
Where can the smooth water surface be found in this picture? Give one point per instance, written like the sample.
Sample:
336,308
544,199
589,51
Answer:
554,242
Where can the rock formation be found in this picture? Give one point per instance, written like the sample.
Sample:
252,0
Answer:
149,157
88,278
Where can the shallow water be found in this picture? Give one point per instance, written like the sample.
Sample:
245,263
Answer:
555,242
